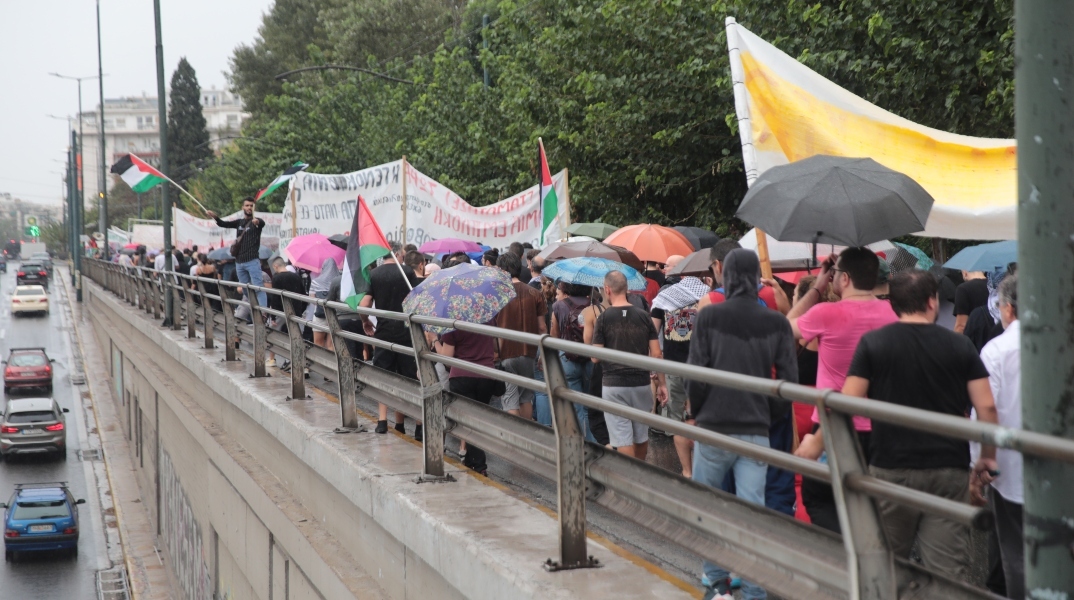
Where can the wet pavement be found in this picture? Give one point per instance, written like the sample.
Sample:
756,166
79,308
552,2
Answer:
51,575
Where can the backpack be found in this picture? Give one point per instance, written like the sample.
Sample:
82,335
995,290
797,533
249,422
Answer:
572,330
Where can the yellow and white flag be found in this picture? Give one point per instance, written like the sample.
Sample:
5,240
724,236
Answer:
787,112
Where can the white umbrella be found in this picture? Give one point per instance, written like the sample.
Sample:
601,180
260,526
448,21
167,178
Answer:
798,256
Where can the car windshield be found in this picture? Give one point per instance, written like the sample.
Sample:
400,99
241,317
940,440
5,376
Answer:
27,360
31,416
41,509
30,266
30,292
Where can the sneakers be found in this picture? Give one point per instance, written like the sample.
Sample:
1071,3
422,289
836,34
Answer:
382,427
270,362
401,428
720,591
418,433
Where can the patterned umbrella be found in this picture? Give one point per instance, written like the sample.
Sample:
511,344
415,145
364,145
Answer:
464,292
591,271
909,257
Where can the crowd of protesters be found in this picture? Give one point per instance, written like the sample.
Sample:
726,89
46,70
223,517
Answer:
854,326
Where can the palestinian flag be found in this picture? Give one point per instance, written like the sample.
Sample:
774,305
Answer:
282,179
138,174
365,245
547,192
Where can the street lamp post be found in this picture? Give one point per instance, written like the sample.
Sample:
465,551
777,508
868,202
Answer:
104,182
78,213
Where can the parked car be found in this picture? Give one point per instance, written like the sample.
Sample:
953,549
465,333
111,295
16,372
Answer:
33,426
29,299
45,259
27,368
32,273
41,517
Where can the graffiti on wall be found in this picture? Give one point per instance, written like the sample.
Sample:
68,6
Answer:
182,534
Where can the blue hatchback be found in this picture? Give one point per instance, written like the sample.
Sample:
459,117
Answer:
41,517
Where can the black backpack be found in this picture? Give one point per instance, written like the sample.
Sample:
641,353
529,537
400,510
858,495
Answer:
573,329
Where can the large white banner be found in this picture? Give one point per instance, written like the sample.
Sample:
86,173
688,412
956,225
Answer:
325,204
150,236
189,231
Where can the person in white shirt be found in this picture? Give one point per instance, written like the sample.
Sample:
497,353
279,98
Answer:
1001,357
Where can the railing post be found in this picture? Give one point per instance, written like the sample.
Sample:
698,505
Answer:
140,291
871,564
191,314
156,294
570,469
230,332
128,285
298,351
432,406
206,315
348,403
177,300
260,334
144,290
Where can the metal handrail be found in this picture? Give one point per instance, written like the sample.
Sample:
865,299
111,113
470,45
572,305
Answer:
845,470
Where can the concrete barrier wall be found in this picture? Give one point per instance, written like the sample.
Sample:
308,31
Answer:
254,496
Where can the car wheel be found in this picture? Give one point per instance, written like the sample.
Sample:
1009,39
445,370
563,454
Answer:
48,388
9,555
63,454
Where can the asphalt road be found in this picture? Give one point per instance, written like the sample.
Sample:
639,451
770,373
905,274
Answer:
48,575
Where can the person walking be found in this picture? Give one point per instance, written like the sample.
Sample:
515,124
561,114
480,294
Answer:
568,324
1002,359
627,328
286,281
247,244
389,284
918,364
479,350
838,327
741,336
525,312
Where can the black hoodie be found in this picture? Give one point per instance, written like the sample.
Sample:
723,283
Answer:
741,336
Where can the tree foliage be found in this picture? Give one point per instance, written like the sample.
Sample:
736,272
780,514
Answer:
634,96
188,136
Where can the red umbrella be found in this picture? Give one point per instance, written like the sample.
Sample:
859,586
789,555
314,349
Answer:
651,243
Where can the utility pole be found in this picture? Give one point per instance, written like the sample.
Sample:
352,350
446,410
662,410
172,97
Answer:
166,204
103,208
1044,121
72,198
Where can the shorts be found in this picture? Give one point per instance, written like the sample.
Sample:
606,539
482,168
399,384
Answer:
621,431
395,363
676,398
320,322
516,396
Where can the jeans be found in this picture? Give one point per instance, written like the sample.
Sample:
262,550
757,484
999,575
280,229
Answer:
250,272
578,376
710,466
542,409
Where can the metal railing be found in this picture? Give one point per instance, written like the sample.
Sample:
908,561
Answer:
786,556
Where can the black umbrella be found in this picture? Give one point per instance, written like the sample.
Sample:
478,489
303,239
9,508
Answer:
835,200
700,238
338,240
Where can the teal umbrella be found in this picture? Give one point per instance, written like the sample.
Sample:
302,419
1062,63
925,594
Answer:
985,257
590,271
593,230
923,261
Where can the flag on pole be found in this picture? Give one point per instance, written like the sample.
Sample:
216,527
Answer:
547,192
282,179
138,174
365,244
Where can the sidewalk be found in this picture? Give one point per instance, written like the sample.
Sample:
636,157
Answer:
147,574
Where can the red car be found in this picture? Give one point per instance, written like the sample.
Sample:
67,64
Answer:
27,368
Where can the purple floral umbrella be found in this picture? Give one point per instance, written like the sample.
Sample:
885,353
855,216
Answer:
465,292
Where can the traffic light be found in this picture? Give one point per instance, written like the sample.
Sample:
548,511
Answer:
33,231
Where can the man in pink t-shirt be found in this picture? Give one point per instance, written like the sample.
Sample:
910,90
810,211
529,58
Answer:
838,326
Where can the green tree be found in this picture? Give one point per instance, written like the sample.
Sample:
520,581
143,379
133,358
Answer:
188,137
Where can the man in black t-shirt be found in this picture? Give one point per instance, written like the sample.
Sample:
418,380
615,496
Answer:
627,328
970,294
387,289
918,364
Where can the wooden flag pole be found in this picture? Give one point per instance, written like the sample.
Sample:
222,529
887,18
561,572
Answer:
403,236
565,218
294,212
762,254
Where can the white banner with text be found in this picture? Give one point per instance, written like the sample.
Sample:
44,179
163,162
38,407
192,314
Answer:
325,204
189,231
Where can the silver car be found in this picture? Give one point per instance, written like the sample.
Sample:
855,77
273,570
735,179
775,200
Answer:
33,426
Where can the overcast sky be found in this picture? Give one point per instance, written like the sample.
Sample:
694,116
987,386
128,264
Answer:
42,36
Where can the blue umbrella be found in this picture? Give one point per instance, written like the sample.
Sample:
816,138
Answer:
985,257
590,270
221,254
465,292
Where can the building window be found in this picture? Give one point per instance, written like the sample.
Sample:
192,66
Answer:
233,120
121,123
